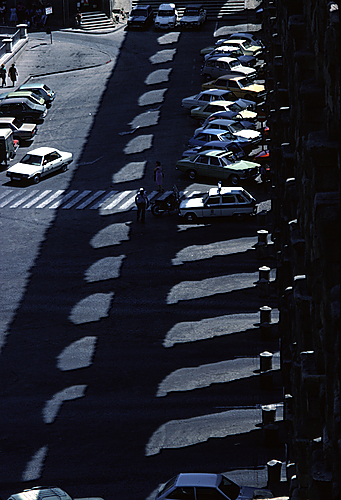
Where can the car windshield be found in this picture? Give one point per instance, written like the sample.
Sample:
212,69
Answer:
139,12
226,159
233,64
166,13
247,44
235,107
17,123
236,127
229,488
32,159
244,82
190,11
168,485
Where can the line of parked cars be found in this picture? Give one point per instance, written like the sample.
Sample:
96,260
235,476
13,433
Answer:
167,16
224,146
20,112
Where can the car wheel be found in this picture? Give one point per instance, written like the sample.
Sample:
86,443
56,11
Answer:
201,121
190,217
248,97
234,179
64,167
36,179
192,174
28,119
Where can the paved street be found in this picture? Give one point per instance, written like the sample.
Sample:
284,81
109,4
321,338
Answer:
129,352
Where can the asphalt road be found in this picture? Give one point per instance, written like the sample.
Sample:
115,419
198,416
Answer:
129,351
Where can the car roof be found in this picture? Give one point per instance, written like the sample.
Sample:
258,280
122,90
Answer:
165,6
217,131
4,132
215,91
141,7
7,119
223,121
41,151
225,58
221,103
15,100
33,85
195,6
225,190
230,77
38,493
197,479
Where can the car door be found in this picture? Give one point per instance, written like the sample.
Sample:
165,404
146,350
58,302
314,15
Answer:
216,168
181,493
228,205
204,493
201,165
212,206
55,161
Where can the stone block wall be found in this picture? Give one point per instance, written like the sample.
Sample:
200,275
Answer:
303,109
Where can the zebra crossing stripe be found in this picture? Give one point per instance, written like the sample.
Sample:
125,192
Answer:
131,201
103,200
76,200
65,198
11,198
5,193
42,195
50,198
20,202
89,200
117,200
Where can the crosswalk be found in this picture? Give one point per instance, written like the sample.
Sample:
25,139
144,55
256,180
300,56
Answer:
106,200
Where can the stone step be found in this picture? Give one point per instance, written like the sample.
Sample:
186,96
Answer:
216,9
96,20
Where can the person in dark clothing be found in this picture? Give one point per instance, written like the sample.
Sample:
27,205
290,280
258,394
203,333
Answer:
13,73
3,75
142,203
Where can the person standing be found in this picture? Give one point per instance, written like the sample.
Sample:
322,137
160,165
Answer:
3,74
142,203
13,15
13,73
158,176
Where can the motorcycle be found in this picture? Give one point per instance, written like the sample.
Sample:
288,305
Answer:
169,204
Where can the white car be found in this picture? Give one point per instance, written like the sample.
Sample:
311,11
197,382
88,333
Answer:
166,17
195,101
38,163
41,493
218,66
194,16
201,486
234,127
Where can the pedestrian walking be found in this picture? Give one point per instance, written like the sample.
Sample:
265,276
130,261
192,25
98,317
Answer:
13,15
3,74
158,176
13,74
142,203
2,13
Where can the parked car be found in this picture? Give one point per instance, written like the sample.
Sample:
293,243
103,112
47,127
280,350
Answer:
235,150
141,16
8,146
219,165
236,113
217,66
22,108
24,132
166,17
38,163
228,50
251,37
194,16
209,135
23,93
206,96
246,46
236,128
45,493
41,89
202,112
217,202
241,86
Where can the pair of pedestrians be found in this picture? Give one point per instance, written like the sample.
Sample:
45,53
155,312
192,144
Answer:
12,73
141,199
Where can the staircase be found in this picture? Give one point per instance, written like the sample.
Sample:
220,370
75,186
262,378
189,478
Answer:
216,9
93,21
